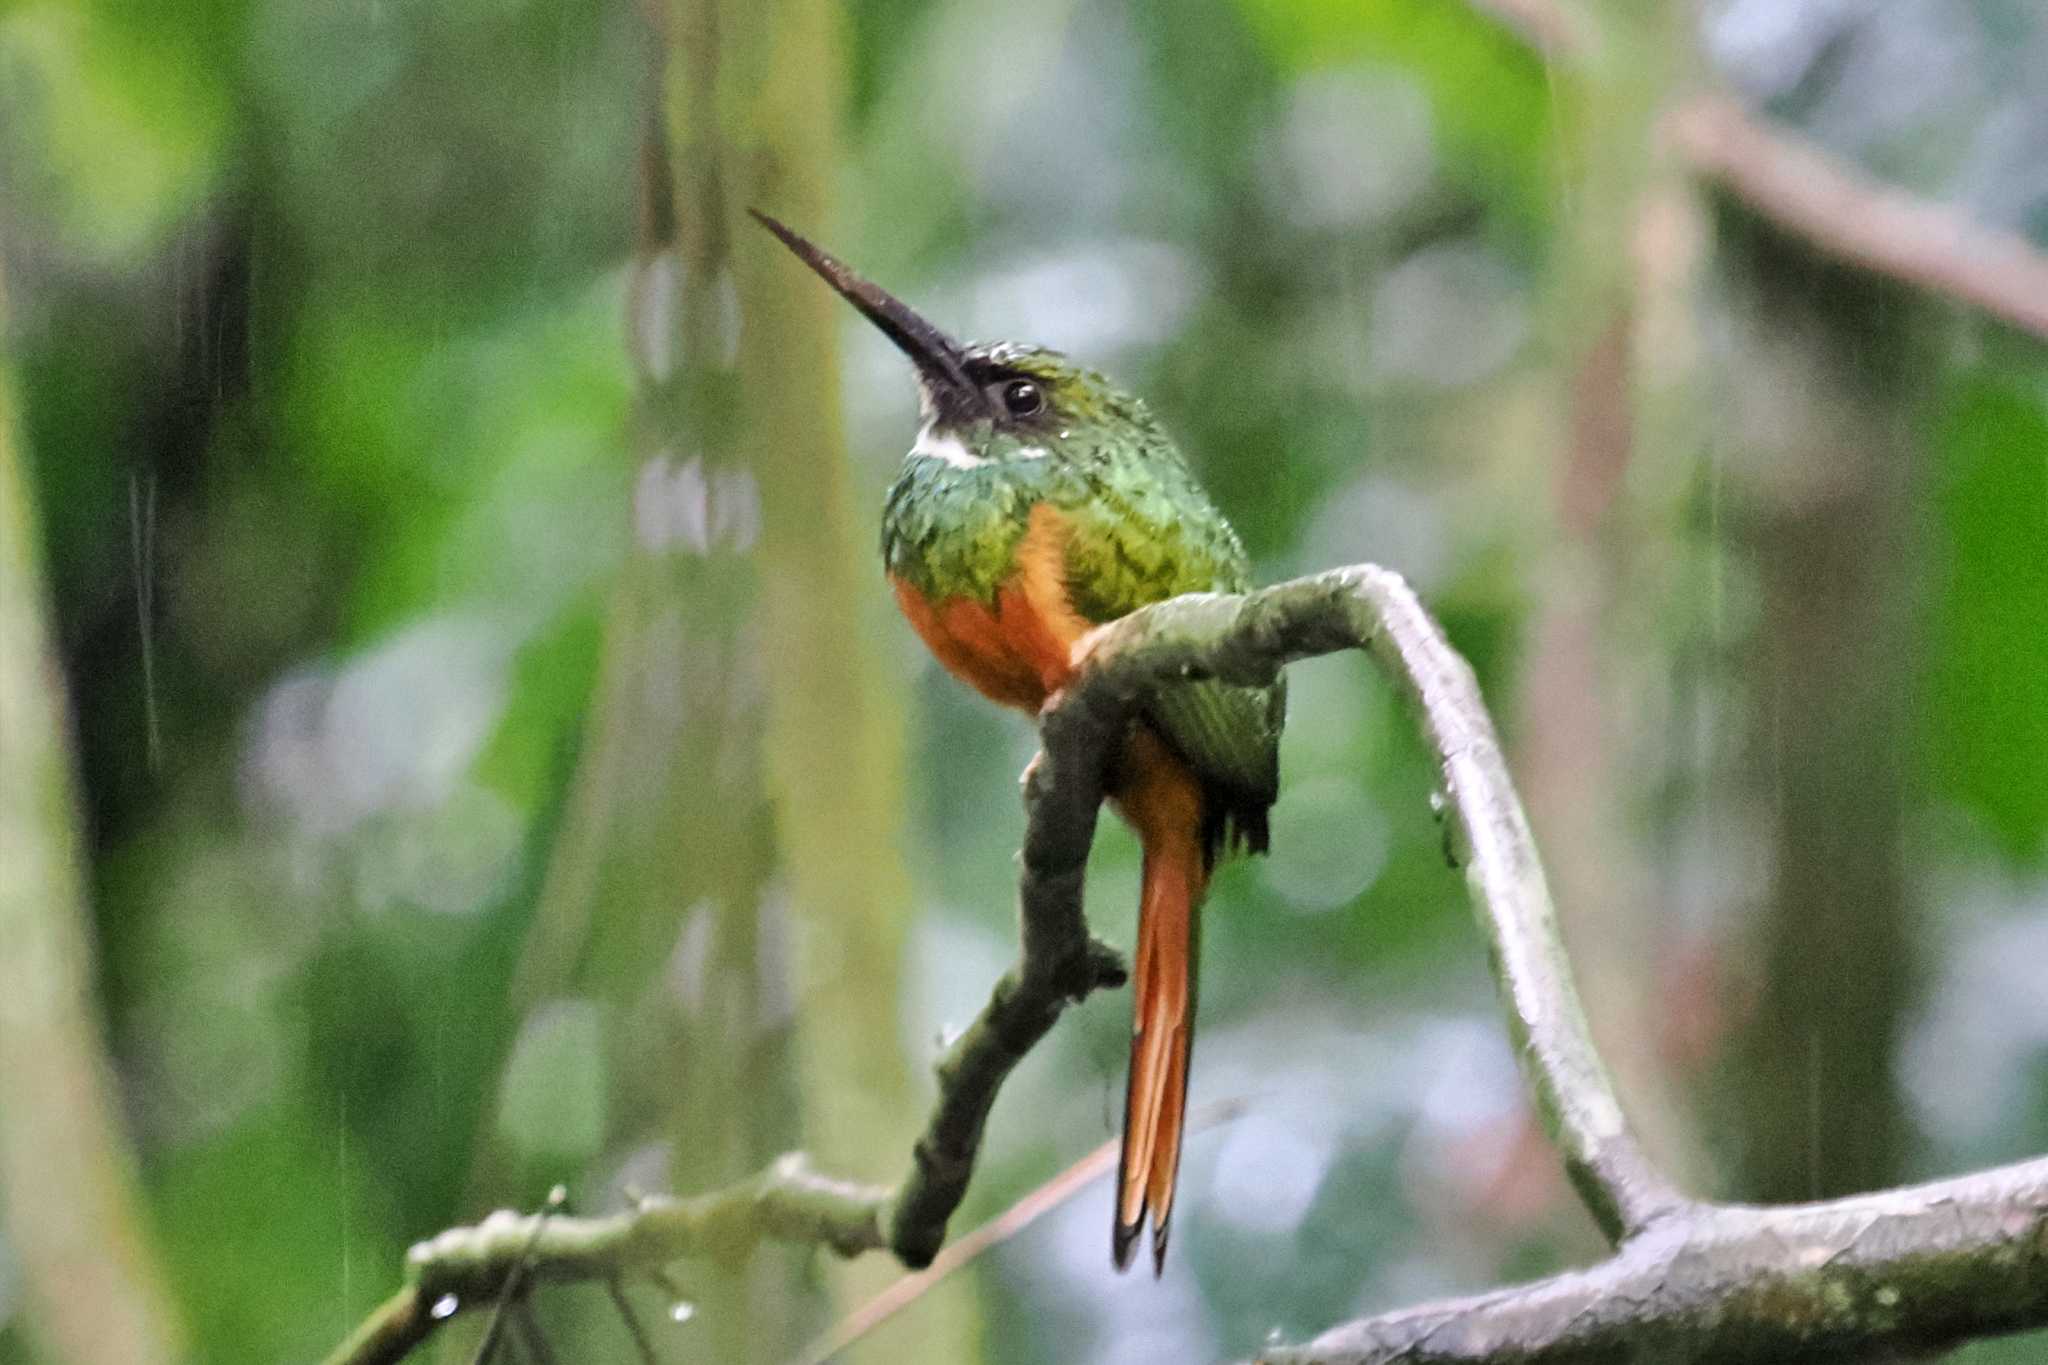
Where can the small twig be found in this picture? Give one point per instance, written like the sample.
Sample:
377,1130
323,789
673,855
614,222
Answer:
642,1343
536,1340
514,1284
389,1333
1244,639
663,1282
1005,1225
1905,1268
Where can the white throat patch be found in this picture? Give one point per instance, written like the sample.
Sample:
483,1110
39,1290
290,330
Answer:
944,447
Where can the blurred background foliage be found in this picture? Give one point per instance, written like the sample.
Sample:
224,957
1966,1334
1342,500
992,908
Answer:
360,509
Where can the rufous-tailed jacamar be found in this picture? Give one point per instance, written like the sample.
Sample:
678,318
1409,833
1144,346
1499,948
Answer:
1039,502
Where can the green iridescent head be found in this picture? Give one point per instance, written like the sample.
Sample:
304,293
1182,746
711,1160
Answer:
988,402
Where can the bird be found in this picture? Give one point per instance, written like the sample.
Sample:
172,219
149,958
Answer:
1039,502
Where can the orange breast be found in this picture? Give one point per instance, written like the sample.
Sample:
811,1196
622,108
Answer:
1016,650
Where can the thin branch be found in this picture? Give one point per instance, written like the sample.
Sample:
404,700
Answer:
1915,1269
509,1292
1851,215
1011,1221
471,1267
388,1335
1243,639
907,1290
643,1345
1793,183
537,1348
1905,1268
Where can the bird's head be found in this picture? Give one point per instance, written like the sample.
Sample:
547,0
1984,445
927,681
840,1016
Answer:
995,401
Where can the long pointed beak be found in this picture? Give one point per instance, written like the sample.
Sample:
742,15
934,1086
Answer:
934,353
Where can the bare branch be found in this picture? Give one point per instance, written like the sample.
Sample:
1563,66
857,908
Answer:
1241,638
1013,1220
1915,1269
472,1267
1245,639
1905,1268
1848,214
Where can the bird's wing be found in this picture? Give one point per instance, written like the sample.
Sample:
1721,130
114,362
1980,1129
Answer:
1136,542
1231,737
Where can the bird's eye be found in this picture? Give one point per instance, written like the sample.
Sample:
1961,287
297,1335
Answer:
1022,398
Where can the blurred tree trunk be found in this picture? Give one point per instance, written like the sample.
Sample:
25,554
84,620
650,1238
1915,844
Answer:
835,744
1599,651
1823,384
738,796
94,1292
1813,484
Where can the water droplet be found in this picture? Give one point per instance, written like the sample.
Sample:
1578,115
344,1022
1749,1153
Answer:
682,1310
558,1195
1438,801
1275,1337
444,1308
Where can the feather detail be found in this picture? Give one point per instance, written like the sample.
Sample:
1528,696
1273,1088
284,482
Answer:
1164,801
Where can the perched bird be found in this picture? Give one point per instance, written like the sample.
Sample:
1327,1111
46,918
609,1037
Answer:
1039,502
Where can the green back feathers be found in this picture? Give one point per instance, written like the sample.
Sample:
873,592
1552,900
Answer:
1140,530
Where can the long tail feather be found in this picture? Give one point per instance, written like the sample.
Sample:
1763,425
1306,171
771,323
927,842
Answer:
1162,1033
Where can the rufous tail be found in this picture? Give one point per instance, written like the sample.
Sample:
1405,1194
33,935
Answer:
1163,1019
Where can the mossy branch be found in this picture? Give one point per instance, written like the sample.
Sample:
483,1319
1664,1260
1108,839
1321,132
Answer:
1902,1272
1244,639
1690,1281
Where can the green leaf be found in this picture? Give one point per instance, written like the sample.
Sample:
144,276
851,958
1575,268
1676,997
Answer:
1493,102
1988,689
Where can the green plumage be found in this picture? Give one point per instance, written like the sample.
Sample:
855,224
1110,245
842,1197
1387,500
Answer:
1140,530
1038,498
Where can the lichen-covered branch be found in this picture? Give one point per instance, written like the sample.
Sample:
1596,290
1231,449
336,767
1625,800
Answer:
468,1267
1907,1270
1244,639
1689,1281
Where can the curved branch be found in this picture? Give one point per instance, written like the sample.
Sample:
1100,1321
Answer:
1833,204
1919,1268
469,1267
1242,639
1911,1267
1851,215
